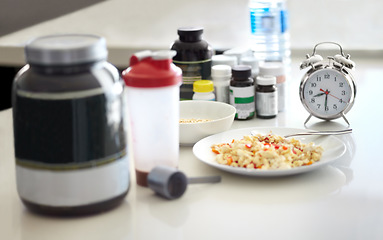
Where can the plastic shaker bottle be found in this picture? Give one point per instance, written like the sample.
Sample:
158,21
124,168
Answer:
153,83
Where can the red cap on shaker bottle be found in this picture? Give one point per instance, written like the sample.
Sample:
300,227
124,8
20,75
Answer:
152,69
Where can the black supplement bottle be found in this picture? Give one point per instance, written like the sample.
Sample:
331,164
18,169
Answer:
242,92
193,57
69,131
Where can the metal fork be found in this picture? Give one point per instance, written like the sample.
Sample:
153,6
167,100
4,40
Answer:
332,132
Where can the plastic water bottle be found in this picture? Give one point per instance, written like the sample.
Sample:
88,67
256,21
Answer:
270,30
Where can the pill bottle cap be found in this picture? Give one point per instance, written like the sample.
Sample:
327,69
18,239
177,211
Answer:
224,60
272,68
241,72
190,34
239,53
266,80
203,86
220,71
250,61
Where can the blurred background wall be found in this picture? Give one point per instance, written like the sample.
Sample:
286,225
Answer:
355,24
19,14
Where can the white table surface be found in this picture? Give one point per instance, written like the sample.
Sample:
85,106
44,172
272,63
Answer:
339,201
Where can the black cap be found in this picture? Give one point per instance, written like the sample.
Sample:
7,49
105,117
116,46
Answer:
190,34
241,72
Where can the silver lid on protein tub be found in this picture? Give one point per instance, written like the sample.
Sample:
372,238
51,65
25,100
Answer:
66,49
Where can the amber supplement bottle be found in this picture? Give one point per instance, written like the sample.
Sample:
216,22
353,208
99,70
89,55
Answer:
69,132
242,92
266,97
193,57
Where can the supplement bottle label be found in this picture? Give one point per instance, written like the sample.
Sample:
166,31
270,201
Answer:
191,72
267,103
204,96
222,93
242,98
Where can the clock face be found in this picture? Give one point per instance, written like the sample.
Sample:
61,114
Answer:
326,93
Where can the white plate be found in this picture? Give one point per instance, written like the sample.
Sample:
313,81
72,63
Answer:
332,146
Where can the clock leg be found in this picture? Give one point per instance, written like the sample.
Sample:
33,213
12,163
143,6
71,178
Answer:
308,119
345,119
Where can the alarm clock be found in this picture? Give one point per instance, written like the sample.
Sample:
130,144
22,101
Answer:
328,89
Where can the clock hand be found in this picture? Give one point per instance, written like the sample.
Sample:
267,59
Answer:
325,103
334,96
327,92
319,94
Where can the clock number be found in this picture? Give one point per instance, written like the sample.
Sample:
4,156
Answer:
343,92
318,106
319,79
312,100
335,79
341,100
311,92
335,107
326,76
313,84
341,84
326,108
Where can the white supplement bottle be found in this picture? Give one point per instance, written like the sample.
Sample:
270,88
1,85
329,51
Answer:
276,69
221,75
